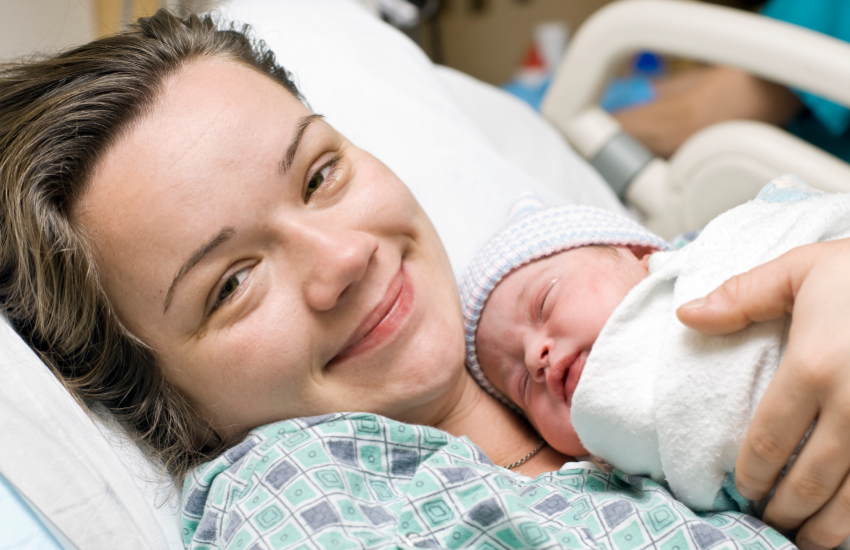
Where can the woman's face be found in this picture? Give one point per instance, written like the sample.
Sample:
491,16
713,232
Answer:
275,269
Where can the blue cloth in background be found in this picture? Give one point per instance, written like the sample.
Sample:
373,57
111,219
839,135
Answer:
621,93
823,123
19,526
632,91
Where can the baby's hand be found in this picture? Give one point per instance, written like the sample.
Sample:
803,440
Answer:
812,382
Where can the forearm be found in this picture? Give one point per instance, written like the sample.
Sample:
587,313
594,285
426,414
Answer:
698,99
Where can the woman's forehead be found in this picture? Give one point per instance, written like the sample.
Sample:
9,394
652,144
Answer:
186,168
216,119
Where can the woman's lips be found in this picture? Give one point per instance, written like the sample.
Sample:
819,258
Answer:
383,321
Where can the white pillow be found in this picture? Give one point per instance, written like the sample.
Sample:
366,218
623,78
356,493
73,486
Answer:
90,481
376,87
523,137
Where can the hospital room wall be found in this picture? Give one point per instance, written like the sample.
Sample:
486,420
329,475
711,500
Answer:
44,25
488,39
111,14
28,26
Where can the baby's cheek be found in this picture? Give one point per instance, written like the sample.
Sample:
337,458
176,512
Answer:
553,425
542,422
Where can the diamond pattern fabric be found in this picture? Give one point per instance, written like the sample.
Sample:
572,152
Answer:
362,481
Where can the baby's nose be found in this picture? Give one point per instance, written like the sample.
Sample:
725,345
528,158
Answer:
537,360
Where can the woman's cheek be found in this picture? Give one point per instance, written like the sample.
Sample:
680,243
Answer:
255,354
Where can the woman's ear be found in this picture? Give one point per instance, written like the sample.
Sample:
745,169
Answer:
206,438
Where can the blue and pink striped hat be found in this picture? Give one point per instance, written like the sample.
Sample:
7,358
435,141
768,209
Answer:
532,234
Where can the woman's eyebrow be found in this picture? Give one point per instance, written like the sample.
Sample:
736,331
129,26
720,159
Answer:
299,133
223,236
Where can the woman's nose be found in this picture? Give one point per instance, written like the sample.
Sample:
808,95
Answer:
537,358
336,261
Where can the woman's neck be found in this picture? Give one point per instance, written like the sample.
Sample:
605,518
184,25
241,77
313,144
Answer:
502,434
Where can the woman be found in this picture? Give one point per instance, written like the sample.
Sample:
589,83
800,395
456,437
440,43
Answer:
170,310
186,242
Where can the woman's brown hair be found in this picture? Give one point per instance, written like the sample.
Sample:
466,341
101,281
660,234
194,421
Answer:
58,117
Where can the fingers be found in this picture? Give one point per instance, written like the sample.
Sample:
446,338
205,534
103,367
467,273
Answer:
812,382
784,414
830,526
825,481
819,356
816,476
816,489
761,294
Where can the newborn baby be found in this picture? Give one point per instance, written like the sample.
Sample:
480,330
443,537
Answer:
570,318
542,319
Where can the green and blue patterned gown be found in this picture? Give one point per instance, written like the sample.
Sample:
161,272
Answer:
357,480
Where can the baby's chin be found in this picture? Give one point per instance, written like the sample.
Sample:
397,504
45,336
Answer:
561,436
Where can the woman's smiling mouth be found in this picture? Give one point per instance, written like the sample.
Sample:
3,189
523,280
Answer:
382,322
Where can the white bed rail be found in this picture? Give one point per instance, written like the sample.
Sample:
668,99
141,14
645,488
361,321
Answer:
776,51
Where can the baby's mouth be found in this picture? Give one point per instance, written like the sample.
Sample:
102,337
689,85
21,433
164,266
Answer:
573,375
564,376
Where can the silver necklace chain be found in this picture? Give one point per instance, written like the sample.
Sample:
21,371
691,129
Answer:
524,459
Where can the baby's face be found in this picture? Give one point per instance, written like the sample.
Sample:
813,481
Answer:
539,325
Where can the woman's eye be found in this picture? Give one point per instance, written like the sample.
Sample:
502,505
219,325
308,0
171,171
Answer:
316,181
319,178
230,286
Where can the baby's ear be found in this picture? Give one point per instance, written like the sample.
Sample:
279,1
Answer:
641,251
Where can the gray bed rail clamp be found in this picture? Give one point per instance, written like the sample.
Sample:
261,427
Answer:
620,160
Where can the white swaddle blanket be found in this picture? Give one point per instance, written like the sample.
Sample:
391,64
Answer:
660,399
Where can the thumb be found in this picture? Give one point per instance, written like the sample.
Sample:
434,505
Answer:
761,294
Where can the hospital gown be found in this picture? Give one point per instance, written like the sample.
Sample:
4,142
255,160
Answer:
357,480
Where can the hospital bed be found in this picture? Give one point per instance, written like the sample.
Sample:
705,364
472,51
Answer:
466,150
725,164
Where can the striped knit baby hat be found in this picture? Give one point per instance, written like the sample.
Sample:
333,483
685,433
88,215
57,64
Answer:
535,233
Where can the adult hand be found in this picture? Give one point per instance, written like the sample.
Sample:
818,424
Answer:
812,382
688,102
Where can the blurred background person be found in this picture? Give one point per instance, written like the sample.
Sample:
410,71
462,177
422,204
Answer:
687,102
